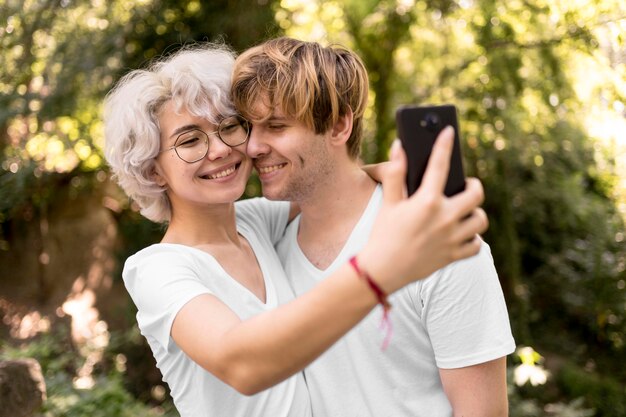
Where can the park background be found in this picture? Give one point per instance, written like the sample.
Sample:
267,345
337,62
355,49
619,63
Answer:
541,90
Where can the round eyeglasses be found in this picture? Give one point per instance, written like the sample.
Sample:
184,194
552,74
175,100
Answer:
193,145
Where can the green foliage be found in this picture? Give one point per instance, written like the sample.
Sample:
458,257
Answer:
527,77
59,361
164,25
60,58
555,232
30,194
531,407
533,393
603,392
136,233
54,352
141,376
108,398
365,21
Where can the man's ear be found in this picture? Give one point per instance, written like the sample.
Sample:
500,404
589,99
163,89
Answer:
342,129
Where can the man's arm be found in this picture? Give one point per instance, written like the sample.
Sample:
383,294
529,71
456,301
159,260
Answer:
478,390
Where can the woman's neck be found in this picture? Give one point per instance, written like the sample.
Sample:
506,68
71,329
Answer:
213,229
194,226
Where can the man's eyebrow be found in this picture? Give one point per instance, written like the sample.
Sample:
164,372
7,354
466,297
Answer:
183,129
274,118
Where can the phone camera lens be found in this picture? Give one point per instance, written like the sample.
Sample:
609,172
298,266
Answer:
430,121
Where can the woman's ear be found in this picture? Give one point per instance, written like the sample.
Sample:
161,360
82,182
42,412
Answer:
156,175
342,129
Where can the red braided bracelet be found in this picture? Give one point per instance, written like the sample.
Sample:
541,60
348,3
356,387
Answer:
382,299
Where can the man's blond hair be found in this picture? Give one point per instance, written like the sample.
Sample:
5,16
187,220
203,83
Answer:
310,83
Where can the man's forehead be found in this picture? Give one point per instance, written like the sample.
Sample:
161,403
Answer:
263,111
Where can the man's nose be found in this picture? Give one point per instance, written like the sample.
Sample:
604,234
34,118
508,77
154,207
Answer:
257,145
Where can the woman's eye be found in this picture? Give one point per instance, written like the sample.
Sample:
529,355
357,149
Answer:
230,127
276,126
189,141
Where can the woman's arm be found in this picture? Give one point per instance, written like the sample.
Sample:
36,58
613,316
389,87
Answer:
375,171
254,354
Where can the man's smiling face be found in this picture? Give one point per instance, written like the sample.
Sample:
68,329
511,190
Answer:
291,159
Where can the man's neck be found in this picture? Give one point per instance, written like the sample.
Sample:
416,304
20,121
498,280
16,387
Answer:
329,216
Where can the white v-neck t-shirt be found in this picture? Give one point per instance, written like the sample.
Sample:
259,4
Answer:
162,278
457,317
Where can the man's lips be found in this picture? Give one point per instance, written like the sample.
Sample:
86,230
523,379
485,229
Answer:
266,169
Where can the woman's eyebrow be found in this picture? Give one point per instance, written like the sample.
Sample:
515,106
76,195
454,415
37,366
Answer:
183,129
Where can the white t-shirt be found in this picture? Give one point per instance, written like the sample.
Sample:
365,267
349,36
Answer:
457,317
164,277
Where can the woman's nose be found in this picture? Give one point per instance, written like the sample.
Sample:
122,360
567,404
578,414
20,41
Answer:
217,148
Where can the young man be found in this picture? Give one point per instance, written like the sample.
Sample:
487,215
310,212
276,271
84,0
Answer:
451,334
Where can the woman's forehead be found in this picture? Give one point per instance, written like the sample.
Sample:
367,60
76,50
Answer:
172,117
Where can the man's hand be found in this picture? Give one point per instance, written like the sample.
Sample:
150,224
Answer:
413,237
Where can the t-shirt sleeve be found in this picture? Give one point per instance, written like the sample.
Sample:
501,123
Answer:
270,216
465,313
160,284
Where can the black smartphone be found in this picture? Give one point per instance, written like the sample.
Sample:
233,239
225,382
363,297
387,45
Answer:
417,128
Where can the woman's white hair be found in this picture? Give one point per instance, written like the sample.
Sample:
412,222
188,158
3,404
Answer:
197,77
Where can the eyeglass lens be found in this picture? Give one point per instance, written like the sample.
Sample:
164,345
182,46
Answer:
193,145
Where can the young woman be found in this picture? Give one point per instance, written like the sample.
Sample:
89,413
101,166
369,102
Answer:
213,301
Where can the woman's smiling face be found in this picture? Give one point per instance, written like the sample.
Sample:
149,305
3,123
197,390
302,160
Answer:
219,177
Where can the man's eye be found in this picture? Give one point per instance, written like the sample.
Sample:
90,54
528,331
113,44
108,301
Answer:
276,126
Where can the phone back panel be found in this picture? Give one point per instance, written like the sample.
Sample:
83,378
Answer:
418,127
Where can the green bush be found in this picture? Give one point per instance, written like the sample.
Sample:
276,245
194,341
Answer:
59,361
534,393
107,398
605,394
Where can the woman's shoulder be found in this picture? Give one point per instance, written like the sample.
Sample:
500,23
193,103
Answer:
158,249
164,253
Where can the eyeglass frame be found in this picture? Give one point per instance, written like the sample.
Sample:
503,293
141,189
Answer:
216,133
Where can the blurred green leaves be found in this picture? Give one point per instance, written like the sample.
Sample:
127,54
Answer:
540,87
60,58
541,92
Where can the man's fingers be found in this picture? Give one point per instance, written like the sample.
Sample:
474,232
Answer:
469,248
470,198
438,166
474,224
394,174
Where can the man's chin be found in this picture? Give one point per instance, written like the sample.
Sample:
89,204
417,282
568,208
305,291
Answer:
273,193
273,196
